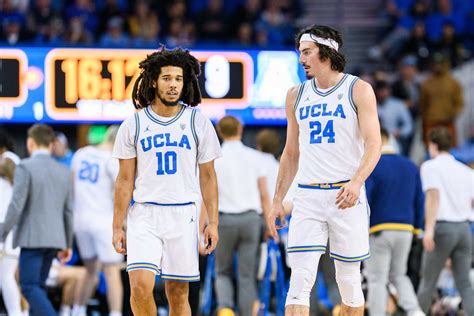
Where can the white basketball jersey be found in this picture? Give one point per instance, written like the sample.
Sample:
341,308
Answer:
168,152
331,146
94,177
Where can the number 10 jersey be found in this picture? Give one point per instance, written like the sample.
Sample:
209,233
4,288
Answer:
168,151
330,142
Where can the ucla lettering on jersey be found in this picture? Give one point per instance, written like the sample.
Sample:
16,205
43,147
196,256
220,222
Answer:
331,146
166,152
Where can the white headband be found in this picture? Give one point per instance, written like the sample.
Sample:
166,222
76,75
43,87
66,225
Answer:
308,37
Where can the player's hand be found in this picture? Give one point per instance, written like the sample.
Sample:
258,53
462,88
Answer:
119,241
428,241
276,219
65,255
348,195
211,237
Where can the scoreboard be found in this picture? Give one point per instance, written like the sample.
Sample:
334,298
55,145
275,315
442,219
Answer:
88,85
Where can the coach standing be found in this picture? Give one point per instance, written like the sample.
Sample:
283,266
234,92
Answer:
41,209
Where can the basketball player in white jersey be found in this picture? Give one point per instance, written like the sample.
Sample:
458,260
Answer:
165,151
333,144
8,255
94,177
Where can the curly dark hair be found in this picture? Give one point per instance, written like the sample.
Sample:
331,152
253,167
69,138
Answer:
143,91
338,61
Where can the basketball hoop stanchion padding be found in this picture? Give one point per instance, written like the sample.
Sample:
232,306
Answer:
274,273
208,281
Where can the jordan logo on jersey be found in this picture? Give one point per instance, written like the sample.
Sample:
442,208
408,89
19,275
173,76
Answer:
164,140
317,110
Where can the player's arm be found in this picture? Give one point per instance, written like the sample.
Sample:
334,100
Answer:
369,126
288,164
208,183
123,196
431,209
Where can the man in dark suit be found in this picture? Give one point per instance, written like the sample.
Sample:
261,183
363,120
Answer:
41,211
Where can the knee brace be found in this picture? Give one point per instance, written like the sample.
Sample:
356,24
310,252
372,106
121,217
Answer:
301,283
348,280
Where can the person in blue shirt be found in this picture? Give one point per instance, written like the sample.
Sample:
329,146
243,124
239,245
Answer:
396,201
61,151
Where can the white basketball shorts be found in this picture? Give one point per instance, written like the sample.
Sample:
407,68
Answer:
94,238
164,239
315,218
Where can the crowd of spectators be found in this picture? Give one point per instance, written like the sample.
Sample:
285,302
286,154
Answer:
423,27
145,23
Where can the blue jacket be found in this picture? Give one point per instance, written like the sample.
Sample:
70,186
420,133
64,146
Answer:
395,195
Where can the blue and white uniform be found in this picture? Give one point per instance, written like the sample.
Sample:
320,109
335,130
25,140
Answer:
94,177
331,148
162,225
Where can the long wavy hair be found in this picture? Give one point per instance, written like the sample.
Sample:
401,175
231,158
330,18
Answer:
143,91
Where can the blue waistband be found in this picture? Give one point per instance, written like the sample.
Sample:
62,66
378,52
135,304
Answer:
162,204
323,186
169,204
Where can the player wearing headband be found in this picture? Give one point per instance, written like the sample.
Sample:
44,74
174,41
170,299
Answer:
333,144
166,151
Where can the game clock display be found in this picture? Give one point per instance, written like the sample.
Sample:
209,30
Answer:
94,85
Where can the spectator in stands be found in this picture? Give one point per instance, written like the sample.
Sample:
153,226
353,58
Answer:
144,24
444,14
275,24
76,33
245,35
13,31
407,88
394,115
441,97
86,12
213,22
396,203
446,183
450,45
247,13
111,10
40,18
10,9
418,45
181,33
53,34
115,35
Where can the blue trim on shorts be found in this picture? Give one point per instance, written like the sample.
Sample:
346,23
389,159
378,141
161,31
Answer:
312,248
181,278
144,266
349,259
169,204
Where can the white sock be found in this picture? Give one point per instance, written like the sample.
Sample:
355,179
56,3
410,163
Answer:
26,313
65,310
115,313
79,310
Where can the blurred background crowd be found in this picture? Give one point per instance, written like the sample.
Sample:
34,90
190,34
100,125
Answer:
417,54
